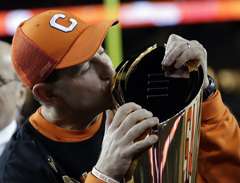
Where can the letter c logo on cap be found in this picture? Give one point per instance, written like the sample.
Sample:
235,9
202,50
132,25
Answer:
54,24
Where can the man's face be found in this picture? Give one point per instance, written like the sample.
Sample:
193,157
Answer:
8,94
88,90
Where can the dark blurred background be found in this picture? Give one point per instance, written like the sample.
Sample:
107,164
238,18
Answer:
221,38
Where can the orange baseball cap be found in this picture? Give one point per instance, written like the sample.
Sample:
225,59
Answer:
52,40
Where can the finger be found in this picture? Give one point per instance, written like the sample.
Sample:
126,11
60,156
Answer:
170,48
186,56
140,128
192,56
174,51
109,118
143,145
133,118
180,73
122,112
173,38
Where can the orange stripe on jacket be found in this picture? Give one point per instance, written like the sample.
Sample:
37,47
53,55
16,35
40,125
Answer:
57,133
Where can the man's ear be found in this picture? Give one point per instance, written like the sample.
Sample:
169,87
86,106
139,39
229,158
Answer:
21,96
46,94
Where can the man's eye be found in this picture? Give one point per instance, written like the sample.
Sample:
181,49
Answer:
86,67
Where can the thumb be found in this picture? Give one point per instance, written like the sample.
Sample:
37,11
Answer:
109,118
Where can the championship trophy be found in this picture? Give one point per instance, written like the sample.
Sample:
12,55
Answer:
176,101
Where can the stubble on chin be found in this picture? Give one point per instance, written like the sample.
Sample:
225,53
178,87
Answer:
110,102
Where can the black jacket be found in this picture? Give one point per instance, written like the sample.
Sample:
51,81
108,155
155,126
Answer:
31,157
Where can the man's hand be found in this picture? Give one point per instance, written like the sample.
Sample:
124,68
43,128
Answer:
119,144
180,51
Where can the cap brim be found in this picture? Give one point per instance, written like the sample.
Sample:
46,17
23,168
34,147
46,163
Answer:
87,44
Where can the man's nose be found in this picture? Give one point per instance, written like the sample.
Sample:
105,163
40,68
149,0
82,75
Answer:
108,70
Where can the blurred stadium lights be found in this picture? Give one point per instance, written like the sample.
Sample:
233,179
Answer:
226,79
229,81
139,13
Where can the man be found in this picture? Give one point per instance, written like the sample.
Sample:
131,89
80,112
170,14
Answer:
12,96
61,59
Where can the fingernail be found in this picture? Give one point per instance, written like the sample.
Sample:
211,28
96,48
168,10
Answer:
164,62
155,138
156,120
